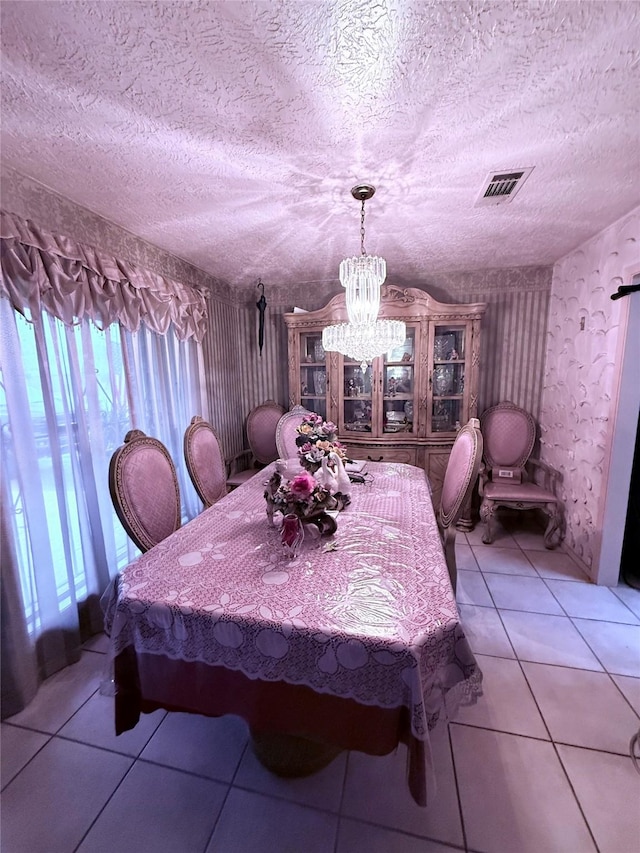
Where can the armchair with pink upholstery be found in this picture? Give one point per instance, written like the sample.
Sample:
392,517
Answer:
262,422
459,479
204,461
508,474
144,489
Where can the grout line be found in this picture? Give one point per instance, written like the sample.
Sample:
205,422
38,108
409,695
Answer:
621,692
216,821
193,773
575,795
108,800
455,779
588,644
400,831
344,781
26,764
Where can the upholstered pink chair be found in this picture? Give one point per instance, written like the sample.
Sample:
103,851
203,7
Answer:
144,489
459,479
204,461
261,435
507,476
286,432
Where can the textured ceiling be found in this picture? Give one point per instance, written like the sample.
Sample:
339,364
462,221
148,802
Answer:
230,133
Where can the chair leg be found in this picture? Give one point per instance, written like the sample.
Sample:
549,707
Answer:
450,556
487,511
553,525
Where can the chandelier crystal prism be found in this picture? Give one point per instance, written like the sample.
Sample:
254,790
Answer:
363,342
364,337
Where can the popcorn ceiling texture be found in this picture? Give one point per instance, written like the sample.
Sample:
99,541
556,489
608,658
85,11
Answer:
229,134
579,400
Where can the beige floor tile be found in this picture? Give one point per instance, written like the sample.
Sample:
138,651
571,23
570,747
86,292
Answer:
617,646
465,560
502,538
208,746
507,704
51,804
60,696
472,589
508,561
589,601
485,631
631,597
357,837
556,565
548,639
17,747
520,593
530,540
253,823
608,789
582,708
630,687
97,643
376,791
94,724
157,810
515,796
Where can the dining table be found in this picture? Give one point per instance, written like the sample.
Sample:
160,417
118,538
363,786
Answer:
354,644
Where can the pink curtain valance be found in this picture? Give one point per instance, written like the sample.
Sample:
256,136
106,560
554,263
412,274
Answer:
73,281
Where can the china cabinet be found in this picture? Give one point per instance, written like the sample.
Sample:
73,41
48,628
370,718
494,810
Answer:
408,404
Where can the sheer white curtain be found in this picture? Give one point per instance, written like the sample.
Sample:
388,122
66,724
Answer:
68,395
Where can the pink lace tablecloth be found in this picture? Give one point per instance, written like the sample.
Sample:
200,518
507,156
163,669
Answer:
367,615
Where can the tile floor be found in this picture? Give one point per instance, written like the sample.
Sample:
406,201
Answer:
539,765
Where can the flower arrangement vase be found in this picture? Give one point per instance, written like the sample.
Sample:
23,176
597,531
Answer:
292,534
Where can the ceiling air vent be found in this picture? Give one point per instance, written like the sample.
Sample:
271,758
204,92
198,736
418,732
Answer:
500,187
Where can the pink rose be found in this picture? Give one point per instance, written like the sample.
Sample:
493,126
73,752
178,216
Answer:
302,485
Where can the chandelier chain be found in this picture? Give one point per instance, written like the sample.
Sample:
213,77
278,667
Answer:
362,251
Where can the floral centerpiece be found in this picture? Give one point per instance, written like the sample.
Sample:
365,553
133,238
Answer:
302,501
317,441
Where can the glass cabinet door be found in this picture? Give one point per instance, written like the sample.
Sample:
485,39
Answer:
313,373
447,380
357,412
399,387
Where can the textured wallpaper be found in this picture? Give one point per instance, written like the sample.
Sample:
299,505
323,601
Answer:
511,339
579,400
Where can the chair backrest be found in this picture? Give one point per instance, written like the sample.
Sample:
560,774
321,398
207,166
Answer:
144,489
461,473
509,434
262,423
204,461
286,432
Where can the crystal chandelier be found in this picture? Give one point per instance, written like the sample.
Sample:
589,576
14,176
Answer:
364,337
364,341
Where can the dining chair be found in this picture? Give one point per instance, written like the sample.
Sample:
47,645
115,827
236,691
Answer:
144,489
286,432
262,422
204,461
508,474
459,479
